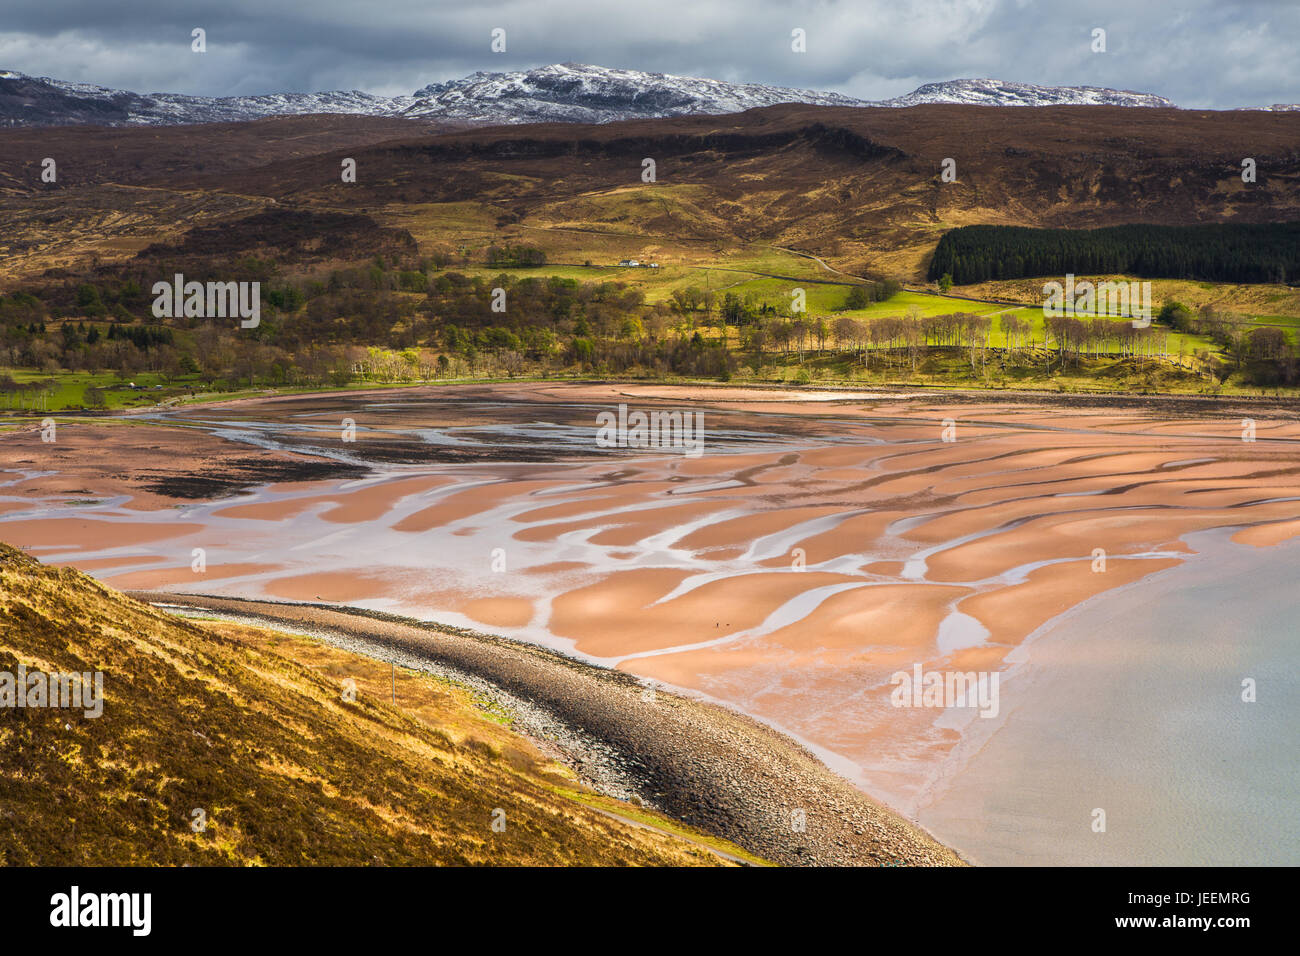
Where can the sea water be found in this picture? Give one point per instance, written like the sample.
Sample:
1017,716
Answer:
1125,738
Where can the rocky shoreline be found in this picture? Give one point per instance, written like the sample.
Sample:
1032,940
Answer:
709,766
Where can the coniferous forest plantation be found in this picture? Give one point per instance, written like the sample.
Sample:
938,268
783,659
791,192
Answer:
1218,252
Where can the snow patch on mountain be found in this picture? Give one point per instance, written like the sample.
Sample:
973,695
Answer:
42,101
575,93
1003,93
562,93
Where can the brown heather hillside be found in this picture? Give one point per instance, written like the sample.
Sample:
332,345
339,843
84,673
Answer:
88,155
859,187
251,726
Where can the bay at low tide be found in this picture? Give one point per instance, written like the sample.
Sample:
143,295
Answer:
1132,703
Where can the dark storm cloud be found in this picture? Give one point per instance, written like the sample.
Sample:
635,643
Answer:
1198,53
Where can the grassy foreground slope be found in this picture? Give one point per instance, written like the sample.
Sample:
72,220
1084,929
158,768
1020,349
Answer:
252,728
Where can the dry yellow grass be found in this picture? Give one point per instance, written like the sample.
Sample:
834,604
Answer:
252,728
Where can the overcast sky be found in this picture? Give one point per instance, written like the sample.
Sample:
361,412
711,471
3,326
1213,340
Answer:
1199,53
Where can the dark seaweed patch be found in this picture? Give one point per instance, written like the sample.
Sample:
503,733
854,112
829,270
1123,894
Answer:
241,473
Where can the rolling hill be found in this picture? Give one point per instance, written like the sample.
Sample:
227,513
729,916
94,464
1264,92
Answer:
859,187
220,744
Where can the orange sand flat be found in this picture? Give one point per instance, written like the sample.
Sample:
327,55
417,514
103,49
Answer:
1012,613
273,510
90,535
593,501
745,529
891,619
364,504
1267,535
418,591
1065,537
332,586
468,503
556,567
499,612
613,617
117,459
854,535
184,578
623,526
1025,483
99,564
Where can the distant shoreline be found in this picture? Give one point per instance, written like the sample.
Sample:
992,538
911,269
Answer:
1181,401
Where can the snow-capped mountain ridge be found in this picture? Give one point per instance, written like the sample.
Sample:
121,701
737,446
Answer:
42,101
560,93
984,92
571,92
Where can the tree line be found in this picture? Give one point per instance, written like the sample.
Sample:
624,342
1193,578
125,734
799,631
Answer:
393,319
1220,252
